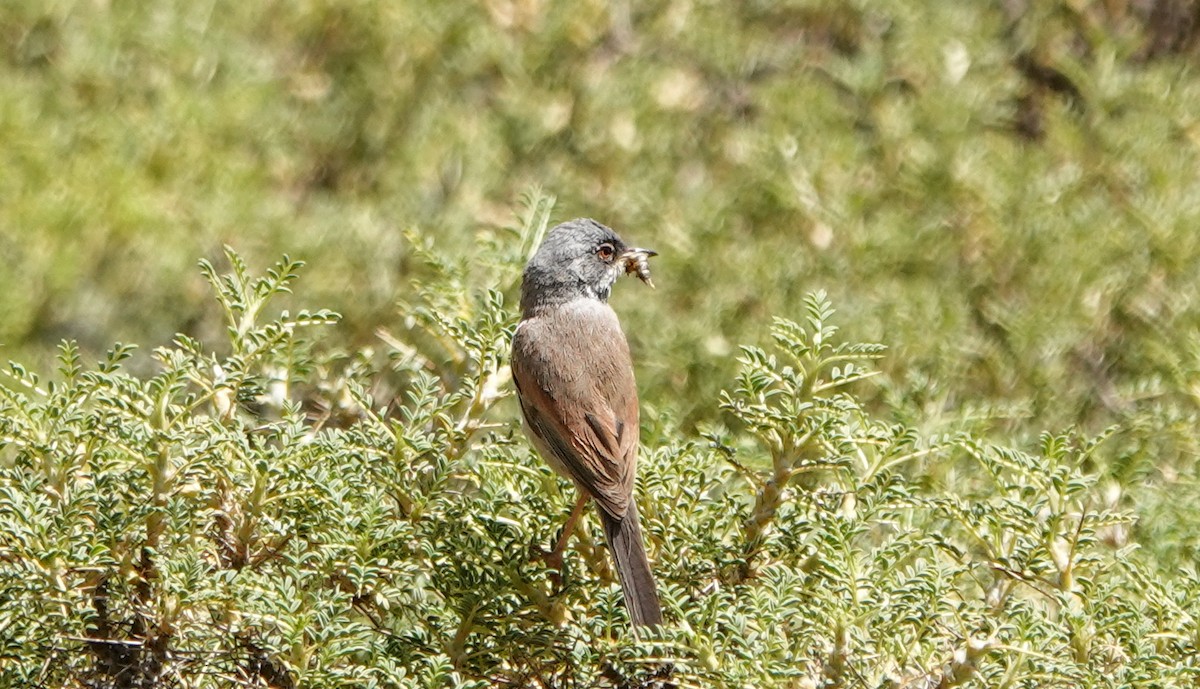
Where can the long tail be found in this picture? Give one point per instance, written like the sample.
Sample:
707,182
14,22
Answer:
637,582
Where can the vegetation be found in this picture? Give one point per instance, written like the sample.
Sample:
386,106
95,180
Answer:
282,496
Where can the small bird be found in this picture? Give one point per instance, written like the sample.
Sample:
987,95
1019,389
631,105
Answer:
574,379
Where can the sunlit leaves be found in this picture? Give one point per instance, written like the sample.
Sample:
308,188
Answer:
204,509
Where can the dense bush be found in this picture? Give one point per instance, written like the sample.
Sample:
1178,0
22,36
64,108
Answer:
1002,192
253,515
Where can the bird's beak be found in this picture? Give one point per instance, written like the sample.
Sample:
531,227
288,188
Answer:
636,263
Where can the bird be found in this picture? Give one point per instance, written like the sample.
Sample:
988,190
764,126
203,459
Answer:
575,383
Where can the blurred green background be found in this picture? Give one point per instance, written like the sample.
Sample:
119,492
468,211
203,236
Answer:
1002,192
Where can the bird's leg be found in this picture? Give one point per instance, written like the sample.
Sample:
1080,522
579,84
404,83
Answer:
554,558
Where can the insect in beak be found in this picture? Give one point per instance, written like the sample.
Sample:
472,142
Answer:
637,263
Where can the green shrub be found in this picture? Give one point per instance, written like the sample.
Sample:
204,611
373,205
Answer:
269,511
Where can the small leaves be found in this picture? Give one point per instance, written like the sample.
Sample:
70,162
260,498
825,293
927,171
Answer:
114,357
68,358
210,521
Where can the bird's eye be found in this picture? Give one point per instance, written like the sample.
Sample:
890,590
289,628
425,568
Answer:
606,252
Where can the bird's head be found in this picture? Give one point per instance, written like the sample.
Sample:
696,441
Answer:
580,259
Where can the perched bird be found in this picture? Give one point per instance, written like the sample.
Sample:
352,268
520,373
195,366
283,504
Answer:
574,378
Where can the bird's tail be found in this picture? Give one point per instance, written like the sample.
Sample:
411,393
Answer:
637,582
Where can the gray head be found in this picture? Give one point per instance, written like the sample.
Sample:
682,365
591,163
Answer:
578,259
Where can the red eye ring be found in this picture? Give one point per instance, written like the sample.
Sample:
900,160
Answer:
606,251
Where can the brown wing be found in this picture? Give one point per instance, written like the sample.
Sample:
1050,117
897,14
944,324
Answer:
575,381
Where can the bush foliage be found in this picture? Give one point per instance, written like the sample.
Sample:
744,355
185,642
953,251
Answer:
252,514
1002,192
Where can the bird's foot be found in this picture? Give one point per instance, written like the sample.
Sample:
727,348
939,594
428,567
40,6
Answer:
553,559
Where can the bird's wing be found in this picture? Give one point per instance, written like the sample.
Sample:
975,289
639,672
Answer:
575,382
